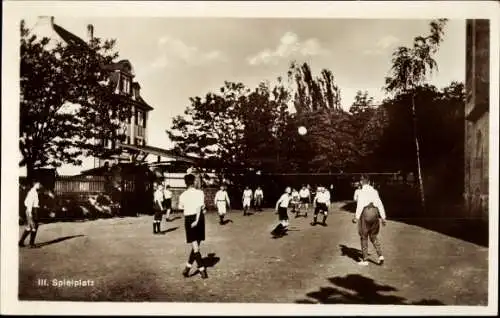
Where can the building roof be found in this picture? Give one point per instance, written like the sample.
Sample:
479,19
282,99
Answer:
49,28
160,152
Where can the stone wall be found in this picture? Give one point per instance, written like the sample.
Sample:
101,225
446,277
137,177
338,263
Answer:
477,120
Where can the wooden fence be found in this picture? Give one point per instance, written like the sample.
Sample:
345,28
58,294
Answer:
80,185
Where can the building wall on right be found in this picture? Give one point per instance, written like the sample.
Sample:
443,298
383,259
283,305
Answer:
477,118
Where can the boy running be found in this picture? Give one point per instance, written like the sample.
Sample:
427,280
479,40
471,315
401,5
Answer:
281,209
192,203
369,211
222,202
31,203
321,203
247,200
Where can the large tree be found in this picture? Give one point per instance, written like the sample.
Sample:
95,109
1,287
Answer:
66,102
410,67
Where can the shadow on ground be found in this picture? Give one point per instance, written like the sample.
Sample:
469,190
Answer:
58,240
467,229
357,289
353,253
169,230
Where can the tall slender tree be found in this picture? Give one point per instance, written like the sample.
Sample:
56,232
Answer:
410,68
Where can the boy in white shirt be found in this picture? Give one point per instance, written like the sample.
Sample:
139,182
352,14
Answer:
222,202
258,197
369,212
167,195
295,201
192,203
282,210
32,204
158,208
305,199
247,200
321,203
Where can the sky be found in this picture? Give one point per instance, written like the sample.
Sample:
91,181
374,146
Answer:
178,58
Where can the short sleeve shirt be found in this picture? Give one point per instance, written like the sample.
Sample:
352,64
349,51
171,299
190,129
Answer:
192,201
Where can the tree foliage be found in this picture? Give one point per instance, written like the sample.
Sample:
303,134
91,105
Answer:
66,100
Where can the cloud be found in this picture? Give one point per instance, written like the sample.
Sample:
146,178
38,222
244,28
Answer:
290,46
174,51
382,45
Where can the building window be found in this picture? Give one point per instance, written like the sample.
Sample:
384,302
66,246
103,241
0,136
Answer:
125,84
140,118
144,119
128,140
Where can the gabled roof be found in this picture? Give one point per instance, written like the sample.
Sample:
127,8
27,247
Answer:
69,37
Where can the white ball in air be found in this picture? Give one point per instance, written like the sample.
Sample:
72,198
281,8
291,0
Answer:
302,130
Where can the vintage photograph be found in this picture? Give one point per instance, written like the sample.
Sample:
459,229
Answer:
284,160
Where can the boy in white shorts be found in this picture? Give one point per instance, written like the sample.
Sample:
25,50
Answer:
222,202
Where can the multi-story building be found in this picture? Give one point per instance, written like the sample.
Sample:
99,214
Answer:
477,118
122,78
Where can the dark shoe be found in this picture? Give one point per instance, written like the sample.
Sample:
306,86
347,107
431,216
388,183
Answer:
324,223
185,272
33,246
20,244
313,223
204,274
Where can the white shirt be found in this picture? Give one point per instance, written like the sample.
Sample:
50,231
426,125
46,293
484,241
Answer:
167,194
356,194
31,200
158,196
247,194
366,195
295,195
192,201
323,197
284,200
304,193
221,195
258,193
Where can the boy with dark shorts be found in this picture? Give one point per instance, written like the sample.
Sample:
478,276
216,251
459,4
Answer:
158,208
282,210
192,203
167,203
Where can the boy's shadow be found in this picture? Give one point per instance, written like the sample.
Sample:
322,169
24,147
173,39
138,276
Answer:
173,218
169,230
353,253
227,221
209,261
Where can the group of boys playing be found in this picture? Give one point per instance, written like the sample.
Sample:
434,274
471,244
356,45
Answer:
369,213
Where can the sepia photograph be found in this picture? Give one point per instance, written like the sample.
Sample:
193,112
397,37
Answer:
222,156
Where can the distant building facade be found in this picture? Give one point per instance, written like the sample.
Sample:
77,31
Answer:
122,78
477,118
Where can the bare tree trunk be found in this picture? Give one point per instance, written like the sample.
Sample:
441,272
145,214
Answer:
417,147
